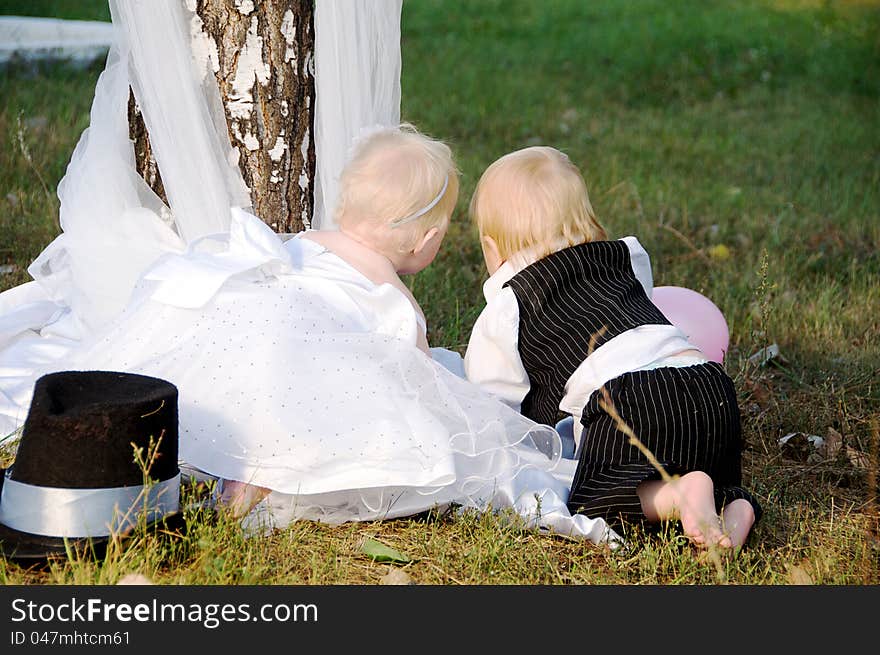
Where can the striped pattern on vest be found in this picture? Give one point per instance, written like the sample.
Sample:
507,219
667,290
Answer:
565,298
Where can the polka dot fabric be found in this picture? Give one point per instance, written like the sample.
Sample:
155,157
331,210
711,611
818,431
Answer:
308,380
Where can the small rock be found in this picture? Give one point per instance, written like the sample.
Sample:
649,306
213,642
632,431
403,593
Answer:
800,446
832,444
396,576
857,458
798,576
135,579
36,122
764,355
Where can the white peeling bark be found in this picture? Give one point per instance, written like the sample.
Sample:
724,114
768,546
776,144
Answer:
262,56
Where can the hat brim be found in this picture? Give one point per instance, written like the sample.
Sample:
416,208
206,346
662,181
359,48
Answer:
27,547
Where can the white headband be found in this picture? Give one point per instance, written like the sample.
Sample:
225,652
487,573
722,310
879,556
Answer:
397,222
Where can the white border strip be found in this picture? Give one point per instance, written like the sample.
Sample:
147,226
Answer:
77,513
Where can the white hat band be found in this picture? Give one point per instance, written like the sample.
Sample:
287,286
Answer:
77,513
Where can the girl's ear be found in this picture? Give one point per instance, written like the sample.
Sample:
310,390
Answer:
430,234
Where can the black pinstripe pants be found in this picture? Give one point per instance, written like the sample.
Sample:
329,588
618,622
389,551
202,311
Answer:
687,417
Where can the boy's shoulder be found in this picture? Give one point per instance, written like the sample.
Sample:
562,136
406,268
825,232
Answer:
589,262
608,252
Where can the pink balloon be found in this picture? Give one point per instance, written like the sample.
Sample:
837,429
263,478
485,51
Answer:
697,316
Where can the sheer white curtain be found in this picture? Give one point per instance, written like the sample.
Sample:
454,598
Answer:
114,226
357,84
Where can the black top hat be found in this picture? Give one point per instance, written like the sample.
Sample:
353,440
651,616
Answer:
90,442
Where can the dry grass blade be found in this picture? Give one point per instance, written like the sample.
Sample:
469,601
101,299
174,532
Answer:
26,153
690,244
607,405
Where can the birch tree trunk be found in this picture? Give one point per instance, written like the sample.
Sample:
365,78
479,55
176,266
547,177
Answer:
262,54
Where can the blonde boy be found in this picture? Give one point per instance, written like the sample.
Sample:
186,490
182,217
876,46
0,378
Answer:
568,320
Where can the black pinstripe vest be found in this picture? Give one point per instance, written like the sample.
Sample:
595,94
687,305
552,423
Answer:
564,298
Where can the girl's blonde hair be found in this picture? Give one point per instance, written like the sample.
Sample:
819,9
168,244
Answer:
393,174
534,200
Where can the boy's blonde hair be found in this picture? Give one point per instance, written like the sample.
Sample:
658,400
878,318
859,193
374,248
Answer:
391,176
534,200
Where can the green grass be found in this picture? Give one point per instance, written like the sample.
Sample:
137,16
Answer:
751,125
68,9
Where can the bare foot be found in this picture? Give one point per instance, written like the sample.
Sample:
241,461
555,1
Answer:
696,509
737,519
240,498
689,499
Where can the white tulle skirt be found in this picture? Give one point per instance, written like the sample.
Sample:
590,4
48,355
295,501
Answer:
280,388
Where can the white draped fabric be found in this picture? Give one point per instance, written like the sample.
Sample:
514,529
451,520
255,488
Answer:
117,235
357,85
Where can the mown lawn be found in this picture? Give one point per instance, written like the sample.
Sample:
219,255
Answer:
738,140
